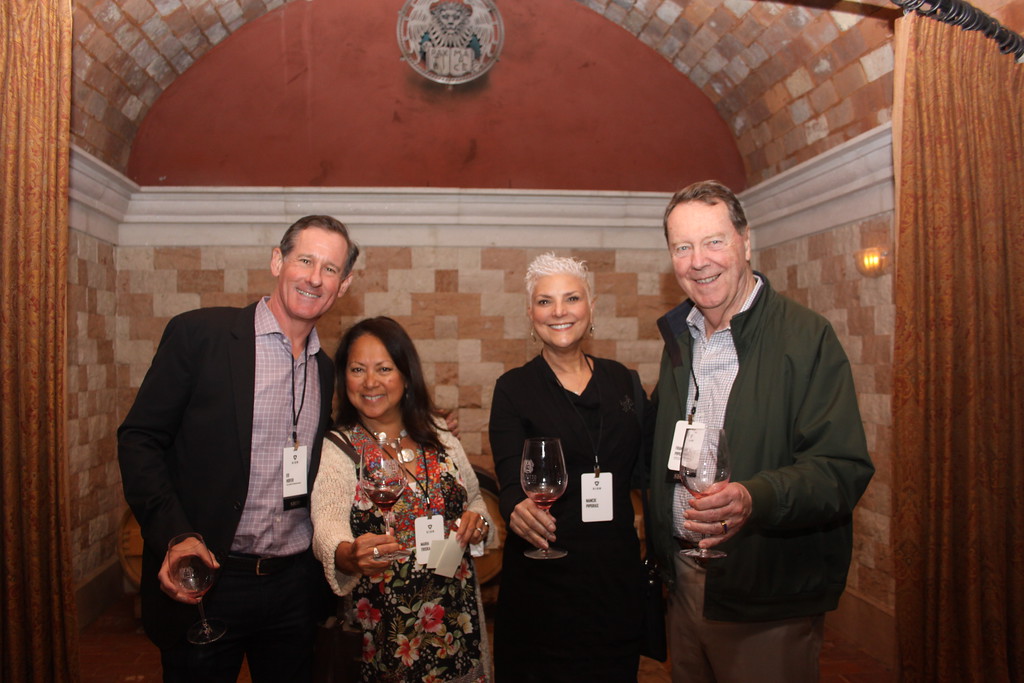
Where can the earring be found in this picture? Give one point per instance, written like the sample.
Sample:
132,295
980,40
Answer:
533,335
591,329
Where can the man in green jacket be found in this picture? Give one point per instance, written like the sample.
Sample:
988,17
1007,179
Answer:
741,357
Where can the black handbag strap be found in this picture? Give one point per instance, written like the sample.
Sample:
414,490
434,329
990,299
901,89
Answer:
638,403
342,442
647,526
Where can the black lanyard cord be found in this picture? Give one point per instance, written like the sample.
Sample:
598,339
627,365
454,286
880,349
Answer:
596,447
302,401
696,393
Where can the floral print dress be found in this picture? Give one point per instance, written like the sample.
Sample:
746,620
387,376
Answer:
418,625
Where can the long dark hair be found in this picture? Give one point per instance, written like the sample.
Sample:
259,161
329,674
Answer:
416,405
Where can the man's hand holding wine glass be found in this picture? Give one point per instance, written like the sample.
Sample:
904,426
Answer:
193,569
730,504
169,584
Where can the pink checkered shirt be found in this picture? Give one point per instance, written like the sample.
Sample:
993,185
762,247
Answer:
266,528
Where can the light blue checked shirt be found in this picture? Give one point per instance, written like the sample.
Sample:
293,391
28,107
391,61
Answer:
715,365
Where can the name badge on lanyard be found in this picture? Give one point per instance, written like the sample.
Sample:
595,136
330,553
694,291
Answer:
293,468
686,444
428,530
597,497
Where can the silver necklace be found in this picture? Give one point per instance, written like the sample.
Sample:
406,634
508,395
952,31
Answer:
405,455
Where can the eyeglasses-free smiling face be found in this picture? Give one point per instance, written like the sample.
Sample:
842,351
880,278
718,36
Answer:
373,384
711,260
560,310
310,278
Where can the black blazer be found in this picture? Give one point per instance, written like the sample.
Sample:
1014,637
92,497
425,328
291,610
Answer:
184,447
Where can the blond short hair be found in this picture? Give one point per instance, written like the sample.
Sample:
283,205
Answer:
549,264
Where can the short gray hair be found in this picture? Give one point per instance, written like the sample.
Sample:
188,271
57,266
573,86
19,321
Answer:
549,264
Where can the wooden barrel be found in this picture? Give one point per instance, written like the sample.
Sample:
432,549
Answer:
488,567
129,548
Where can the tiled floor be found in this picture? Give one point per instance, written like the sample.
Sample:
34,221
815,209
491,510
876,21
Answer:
114,650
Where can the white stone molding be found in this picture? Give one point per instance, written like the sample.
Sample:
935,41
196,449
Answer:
98,196
850,182
415,217
847,183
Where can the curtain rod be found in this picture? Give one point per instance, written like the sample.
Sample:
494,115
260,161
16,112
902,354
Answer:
969,18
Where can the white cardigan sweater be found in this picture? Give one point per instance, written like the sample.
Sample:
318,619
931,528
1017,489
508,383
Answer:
334,494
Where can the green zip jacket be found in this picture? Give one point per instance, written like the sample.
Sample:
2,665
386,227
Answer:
797,444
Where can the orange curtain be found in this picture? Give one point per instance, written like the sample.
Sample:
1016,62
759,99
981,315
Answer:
958,398
38,634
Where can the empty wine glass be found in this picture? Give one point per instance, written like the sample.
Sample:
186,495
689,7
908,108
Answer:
382,479
188,570
543,477
705,474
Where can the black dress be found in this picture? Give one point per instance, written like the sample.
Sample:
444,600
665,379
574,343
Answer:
578,617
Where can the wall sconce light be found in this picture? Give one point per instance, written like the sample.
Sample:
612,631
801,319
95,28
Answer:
872,262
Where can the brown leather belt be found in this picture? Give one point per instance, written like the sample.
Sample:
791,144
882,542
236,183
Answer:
254,564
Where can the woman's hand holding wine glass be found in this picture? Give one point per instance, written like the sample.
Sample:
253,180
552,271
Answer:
544,478
382,480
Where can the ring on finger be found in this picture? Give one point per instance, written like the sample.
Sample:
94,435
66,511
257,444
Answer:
725,527
376,553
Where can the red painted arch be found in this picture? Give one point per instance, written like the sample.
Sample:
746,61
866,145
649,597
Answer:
314,94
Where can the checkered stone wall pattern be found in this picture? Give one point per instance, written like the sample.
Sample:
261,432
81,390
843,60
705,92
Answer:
466,309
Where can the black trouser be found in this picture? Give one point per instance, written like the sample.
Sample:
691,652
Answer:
271,620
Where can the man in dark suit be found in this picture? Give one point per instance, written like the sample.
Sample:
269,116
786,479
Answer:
224,440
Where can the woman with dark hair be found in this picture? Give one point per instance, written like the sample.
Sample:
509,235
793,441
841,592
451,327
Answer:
417,624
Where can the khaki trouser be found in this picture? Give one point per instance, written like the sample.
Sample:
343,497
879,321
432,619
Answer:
702,650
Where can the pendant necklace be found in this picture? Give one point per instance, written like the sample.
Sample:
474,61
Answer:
405,455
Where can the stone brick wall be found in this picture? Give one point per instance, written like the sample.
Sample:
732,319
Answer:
127,53
92,406
465,306
819,272
791,81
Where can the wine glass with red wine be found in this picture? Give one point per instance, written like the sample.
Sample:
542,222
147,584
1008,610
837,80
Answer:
382,479
543,477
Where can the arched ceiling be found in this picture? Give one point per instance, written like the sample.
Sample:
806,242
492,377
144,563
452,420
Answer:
790,79
304,97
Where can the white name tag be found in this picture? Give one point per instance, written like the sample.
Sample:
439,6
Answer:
436,548
428,530
686,443
294,471
451,557
597,497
